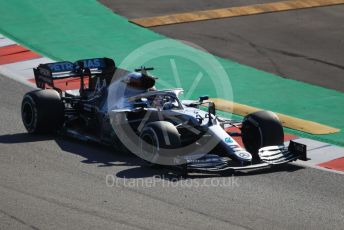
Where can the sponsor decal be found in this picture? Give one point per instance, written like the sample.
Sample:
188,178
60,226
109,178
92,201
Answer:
93,63
228,140
61,66
68,66
244,155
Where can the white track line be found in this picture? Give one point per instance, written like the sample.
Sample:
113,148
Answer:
23,69
320,152
20,71
15,76
5,41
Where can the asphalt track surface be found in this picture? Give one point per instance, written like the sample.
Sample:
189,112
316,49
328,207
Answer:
49,182
305,45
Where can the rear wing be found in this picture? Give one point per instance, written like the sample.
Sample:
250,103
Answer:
45,74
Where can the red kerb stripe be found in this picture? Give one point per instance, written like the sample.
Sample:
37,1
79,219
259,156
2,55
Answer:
11,49
15,53
336,164
17,57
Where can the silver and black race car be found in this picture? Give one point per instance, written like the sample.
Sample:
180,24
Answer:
125,110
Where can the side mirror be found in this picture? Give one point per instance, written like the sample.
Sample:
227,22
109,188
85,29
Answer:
141,104
212,108
203,98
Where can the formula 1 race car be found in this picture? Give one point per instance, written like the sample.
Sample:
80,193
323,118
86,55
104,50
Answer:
125,110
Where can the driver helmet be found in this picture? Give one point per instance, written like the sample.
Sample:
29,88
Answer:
139,81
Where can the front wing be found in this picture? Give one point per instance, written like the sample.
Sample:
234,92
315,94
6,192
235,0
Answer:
272,155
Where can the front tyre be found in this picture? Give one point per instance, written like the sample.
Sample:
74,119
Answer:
42,111
155,138
261,129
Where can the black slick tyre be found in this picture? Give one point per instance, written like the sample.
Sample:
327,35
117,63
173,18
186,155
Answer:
42,111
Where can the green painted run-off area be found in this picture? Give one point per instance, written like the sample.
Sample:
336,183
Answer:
70,30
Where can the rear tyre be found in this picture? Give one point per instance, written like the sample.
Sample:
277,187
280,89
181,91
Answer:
155,137
261,129
42,111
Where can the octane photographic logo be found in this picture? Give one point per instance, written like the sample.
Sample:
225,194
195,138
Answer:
176,66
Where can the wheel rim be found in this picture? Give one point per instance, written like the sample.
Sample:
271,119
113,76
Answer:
148,146
252,139
27,114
